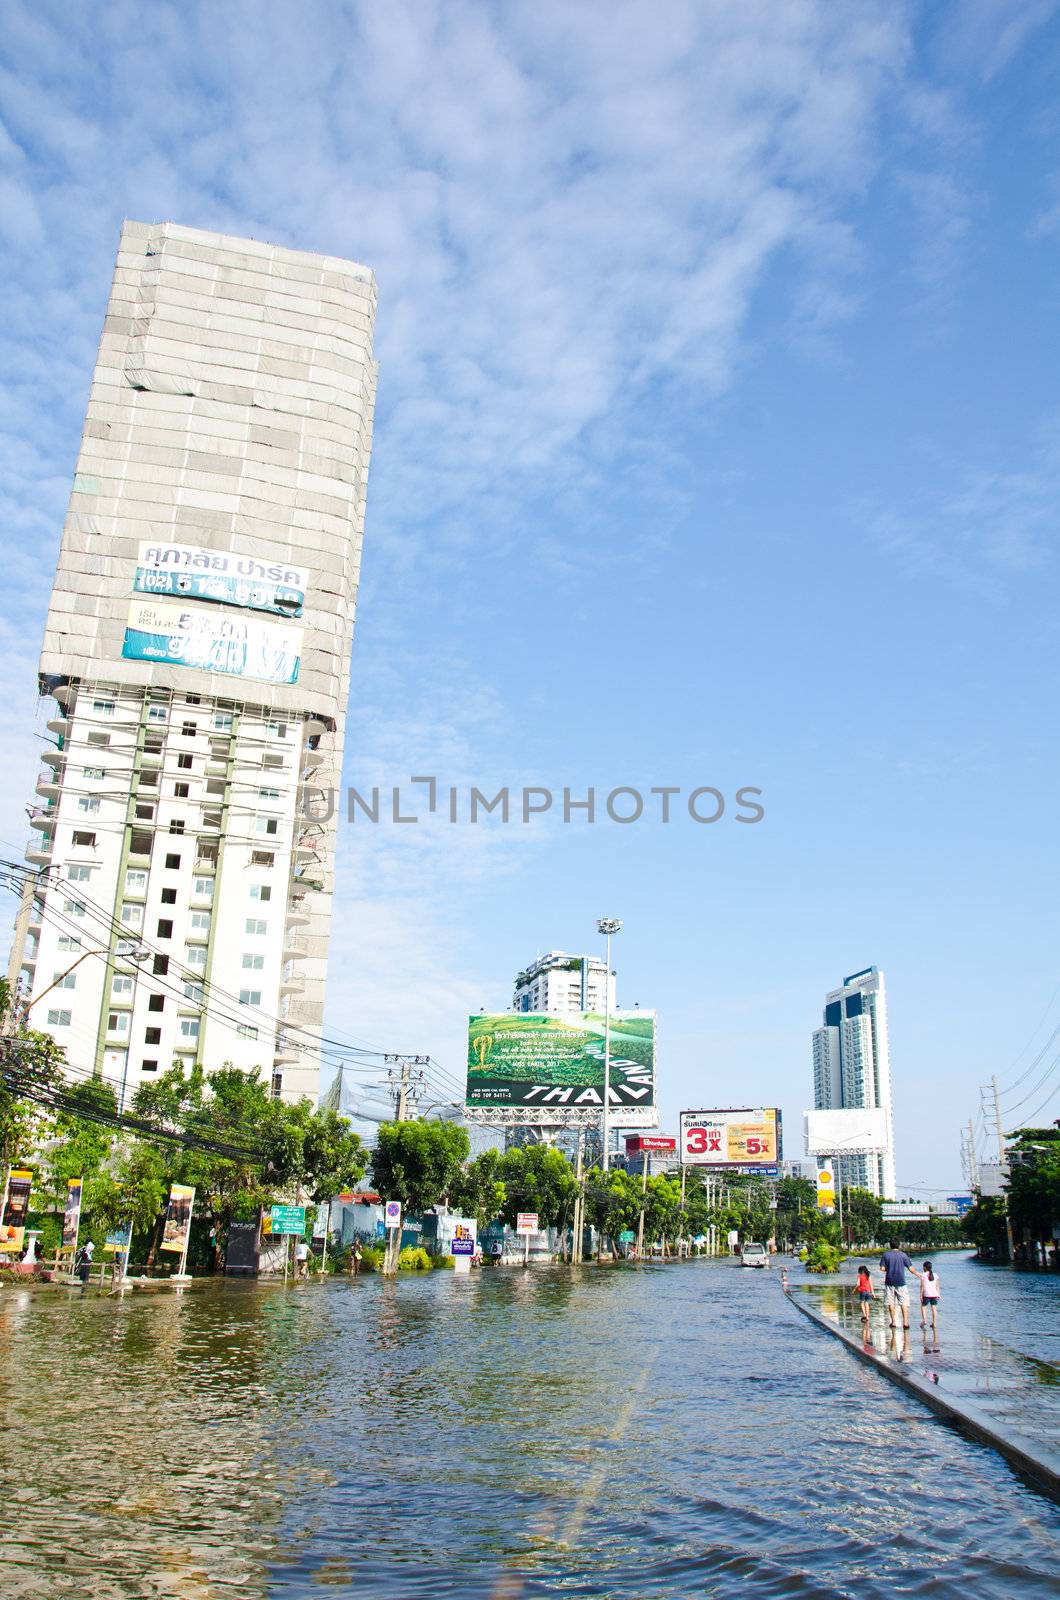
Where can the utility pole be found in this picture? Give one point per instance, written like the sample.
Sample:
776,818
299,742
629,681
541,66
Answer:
607,926
1002,1162
579,1201
643,1192
407,1080
973,1161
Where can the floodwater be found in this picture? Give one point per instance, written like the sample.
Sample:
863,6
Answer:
636,1432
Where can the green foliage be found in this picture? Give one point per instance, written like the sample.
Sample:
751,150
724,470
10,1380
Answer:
24,1126
372,1258
1034,1183
414,1258
537,1177
824,1258
479,1191
612,1201
443,1261
418,1162
863,1216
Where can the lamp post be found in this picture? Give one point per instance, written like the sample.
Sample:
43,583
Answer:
607,926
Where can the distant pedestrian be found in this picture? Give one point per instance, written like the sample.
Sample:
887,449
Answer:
866,1295
301,1258
930,1293
83,1263
894,1264
355,1260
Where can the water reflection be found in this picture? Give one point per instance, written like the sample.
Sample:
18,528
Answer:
666,1432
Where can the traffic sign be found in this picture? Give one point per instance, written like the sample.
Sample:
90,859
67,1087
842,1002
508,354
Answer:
526,1222
463,1247
288,1219
627,1236
392,1214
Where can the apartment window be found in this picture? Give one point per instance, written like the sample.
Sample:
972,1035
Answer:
135,881
194,992
120,984
277,729
165,928
250,997
160,966
156,1002
169,897
152,744
176,825
261,891
216,786
148,778
266,825
149,1066
222,721
200,921
195,955
253,963
245,1031
194,699
69,941
79,874
189,729
272,763
81,837
268,794
261,858
185,762
99,740
206,855
256,925
132,915
103,708
181,790
152,1036
140,843
74,908
189,1027
172,861
204,888
277,1085
65,980
87,803
211,819
59,1019
118,1022
157,714
144,812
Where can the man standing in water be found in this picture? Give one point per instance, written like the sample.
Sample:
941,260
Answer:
894,1264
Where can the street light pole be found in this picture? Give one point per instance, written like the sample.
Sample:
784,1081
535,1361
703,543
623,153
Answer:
607,926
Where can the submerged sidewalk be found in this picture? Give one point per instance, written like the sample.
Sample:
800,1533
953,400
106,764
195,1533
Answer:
1005,1398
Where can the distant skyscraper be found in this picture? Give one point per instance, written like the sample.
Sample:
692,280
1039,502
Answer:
852,1068
197,647
560,982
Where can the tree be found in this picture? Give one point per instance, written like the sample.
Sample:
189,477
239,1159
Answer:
480,1191
1034,1184
31,1056
863,1215
612,1202
538,1177
418,1162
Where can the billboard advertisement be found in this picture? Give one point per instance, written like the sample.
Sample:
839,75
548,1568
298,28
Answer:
646,1144
188,572
178,635
178,1218
531,1060
852,1131
825,1186
743,1139
72,1212
16,1210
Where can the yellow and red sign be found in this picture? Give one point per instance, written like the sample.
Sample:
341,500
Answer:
825,1186
16,1210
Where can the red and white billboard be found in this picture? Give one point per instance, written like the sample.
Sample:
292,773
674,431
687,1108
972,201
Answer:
646,1144
743,1138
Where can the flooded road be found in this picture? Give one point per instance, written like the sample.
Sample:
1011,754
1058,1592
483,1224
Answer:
663,1431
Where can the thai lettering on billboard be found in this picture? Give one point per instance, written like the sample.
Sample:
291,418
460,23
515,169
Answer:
748,1138
72,1212
537,1060
189,572
177,635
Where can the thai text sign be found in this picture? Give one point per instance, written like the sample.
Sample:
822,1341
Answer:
72,1213
749,1138
189,572
288,1219
555,1064
177,635
642,1144
16,1210
526,1222
178,1218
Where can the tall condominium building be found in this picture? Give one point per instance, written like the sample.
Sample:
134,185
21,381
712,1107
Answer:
852,1068
197,649
559,982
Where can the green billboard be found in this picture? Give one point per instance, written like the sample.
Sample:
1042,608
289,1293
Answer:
525,1060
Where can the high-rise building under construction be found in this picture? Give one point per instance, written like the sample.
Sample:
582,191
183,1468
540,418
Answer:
197,649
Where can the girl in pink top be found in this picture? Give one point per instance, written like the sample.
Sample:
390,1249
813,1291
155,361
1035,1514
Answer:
929,1299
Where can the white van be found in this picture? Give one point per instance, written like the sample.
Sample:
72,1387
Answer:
754,1255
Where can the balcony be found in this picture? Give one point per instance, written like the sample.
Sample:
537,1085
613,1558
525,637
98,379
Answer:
48,785
292,983
311,759
54,757
42,817
286,1049
297,913
59,725
294,947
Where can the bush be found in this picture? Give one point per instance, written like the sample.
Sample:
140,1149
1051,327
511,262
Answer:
371,1258
443,1261
414,1258
824,1258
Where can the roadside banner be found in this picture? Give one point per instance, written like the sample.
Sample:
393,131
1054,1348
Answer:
119,1240
825,1186
72,1212
177,1227
526,1222
16,1210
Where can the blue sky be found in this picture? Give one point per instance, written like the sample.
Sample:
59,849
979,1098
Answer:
718,442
